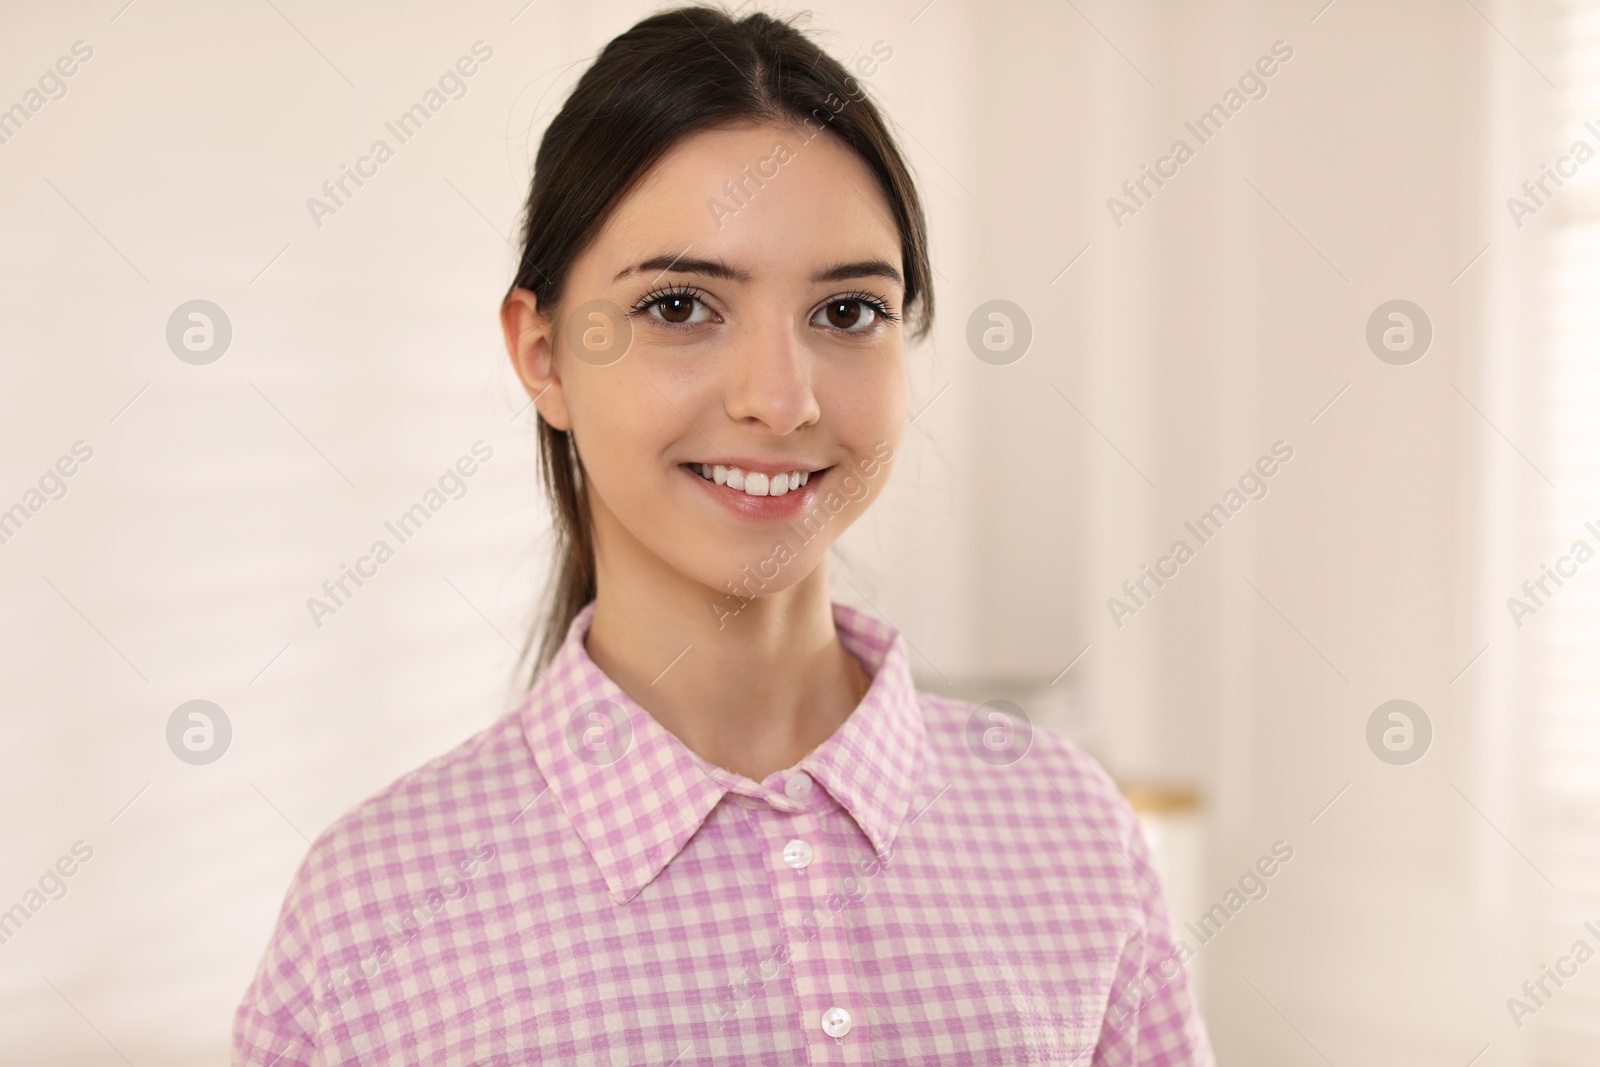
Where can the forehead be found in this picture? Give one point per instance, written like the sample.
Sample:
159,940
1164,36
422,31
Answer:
775,200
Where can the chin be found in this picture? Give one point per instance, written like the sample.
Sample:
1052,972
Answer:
769,567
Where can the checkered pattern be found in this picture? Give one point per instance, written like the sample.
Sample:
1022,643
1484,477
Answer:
574,885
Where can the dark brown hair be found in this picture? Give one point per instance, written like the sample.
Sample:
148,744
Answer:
674,74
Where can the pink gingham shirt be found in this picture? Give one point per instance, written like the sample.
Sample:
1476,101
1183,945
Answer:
573,885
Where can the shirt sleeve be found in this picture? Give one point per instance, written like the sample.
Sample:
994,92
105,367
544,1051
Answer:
276,1023
1152,1019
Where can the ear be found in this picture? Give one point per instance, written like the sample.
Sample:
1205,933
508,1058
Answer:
528,343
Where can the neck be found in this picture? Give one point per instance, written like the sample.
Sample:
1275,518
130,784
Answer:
751,692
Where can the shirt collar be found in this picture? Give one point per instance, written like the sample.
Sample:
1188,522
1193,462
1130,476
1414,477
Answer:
636,794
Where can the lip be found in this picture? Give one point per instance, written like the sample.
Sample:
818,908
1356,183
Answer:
761,508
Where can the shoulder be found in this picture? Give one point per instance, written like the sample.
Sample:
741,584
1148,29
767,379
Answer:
384,868
406,839
1010,763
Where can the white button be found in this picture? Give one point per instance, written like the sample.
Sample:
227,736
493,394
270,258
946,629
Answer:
836,1022
798,787
797,854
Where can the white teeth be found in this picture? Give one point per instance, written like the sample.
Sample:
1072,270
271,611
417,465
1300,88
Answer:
753,483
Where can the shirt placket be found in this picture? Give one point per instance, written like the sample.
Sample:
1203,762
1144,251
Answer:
805,881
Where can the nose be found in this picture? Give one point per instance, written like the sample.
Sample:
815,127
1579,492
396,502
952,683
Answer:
769,380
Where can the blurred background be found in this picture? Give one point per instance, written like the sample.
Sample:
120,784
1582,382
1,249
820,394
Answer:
1379,260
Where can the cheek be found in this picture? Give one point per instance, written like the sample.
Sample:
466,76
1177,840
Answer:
629,418
616,408
865,400
621,426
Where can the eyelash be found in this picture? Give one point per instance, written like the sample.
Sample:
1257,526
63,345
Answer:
655,296
880,307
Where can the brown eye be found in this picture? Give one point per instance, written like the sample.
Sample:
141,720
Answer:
676,309
848,314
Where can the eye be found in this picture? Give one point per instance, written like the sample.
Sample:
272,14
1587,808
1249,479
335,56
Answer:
852,313
674,308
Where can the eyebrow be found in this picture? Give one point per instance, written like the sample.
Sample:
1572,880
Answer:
716,268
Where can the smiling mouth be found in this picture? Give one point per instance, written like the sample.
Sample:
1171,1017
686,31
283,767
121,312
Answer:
752,483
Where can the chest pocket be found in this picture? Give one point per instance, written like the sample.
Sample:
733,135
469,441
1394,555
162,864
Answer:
1060,1028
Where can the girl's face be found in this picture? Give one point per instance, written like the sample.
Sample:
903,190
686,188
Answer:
738,316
